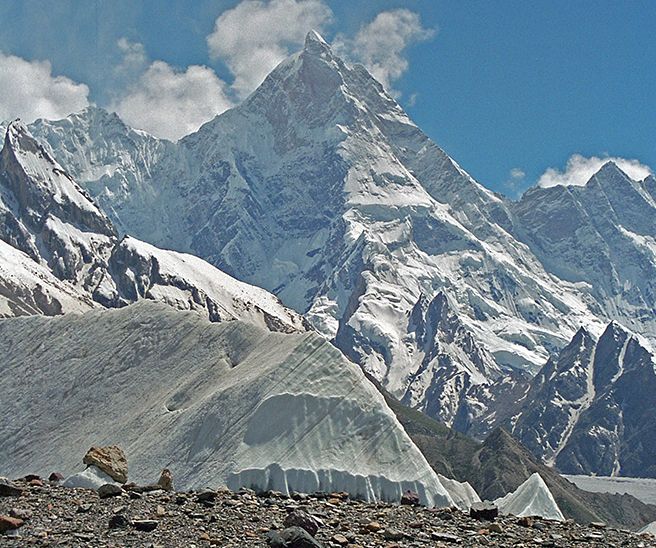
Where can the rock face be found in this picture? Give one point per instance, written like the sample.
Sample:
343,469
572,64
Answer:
46,214
592,411
241,406
110,459
59,253
602,234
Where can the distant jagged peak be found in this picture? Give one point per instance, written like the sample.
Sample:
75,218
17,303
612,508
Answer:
42,186
314,43
19,140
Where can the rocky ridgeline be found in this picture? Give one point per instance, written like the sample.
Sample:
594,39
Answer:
34,511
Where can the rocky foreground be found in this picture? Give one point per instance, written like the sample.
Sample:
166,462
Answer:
42,513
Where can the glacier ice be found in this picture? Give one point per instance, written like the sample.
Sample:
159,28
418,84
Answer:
531,498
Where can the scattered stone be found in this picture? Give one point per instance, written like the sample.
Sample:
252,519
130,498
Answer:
9,489
118,521
340,539
525,521
393,534
299,518
146,525
165,480
7,523
598,525
373,527
292,537
483,511
20,513
35,482
243,519
206,496
109,490
56,477
446,537
410,498
109,459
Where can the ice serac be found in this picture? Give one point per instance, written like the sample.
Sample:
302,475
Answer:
592,411
602,234
217,403
651,528
320,189
462,493
531,498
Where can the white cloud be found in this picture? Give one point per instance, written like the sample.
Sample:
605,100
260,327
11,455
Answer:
134,56
253,37
580,169
170,103
517,173
30,91
380,45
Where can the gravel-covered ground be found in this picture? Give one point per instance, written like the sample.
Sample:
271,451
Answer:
58,516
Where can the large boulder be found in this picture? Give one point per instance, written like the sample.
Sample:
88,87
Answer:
110,459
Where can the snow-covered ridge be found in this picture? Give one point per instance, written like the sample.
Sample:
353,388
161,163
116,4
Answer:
77,257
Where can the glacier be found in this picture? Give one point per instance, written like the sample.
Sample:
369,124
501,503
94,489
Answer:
225,403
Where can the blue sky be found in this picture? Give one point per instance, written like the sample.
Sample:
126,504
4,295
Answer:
504,87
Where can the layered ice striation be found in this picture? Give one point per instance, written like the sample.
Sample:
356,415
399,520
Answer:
218,404
531,498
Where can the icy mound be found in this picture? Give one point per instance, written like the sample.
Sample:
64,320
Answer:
462,494
531,498
91,478
218,404
651,528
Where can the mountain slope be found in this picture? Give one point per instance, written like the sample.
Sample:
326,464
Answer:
320,189
60,251
602,234
228,404
27,288
501,464
592,410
